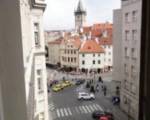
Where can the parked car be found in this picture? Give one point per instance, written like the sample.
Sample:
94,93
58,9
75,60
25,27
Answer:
100,115
57,87
86,96
66,83
79,82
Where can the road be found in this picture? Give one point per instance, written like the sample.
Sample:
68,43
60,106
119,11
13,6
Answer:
64,105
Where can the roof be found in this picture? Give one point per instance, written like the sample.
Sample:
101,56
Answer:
91,46
80,6
87,29
57,41
105,41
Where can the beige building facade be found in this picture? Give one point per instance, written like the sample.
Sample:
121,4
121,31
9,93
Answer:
69,54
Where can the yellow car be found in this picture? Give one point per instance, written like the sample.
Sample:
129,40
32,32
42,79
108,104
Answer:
57,87
67,83
64,84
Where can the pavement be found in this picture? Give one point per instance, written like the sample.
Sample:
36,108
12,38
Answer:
64,105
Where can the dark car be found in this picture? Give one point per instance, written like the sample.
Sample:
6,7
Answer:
79,82
98,114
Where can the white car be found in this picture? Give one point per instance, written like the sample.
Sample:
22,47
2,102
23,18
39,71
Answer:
86,96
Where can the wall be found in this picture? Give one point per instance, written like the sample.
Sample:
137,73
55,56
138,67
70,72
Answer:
117,45
11,62
88,58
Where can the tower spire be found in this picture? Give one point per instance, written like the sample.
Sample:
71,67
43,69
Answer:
80,6
80,16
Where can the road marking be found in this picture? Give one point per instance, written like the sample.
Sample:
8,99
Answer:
81,110
62,114
84,109
90,106
51,107
88,109
66,113
58,112
77,110
69,111
95,107
99,107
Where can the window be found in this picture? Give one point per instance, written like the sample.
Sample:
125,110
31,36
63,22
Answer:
127,17
83,55
93,55
74,51
71,51
133,88
36,34
109,60
93,61
133,53
127,52
39,72
71,59
74,59
134,34
125,68
127,33
134,15
99,62
68,59
83,62
109,53
133,70
99,55
39,83
39,80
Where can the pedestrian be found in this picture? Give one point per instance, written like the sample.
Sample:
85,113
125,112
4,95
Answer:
97,88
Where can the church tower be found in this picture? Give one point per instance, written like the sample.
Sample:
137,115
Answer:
80,16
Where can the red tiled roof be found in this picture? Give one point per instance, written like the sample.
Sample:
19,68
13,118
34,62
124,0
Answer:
91,46
87,29
105,41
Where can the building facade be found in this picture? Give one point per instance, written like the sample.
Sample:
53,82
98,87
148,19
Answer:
131,26
54,52
24,90
117,46
69,54
91,56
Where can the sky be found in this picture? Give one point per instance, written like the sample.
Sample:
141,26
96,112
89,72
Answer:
59,14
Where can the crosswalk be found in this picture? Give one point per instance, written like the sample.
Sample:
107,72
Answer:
51,107
84,109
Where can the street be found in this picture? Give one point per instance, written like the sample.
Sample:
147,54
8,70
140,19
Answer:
64,105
